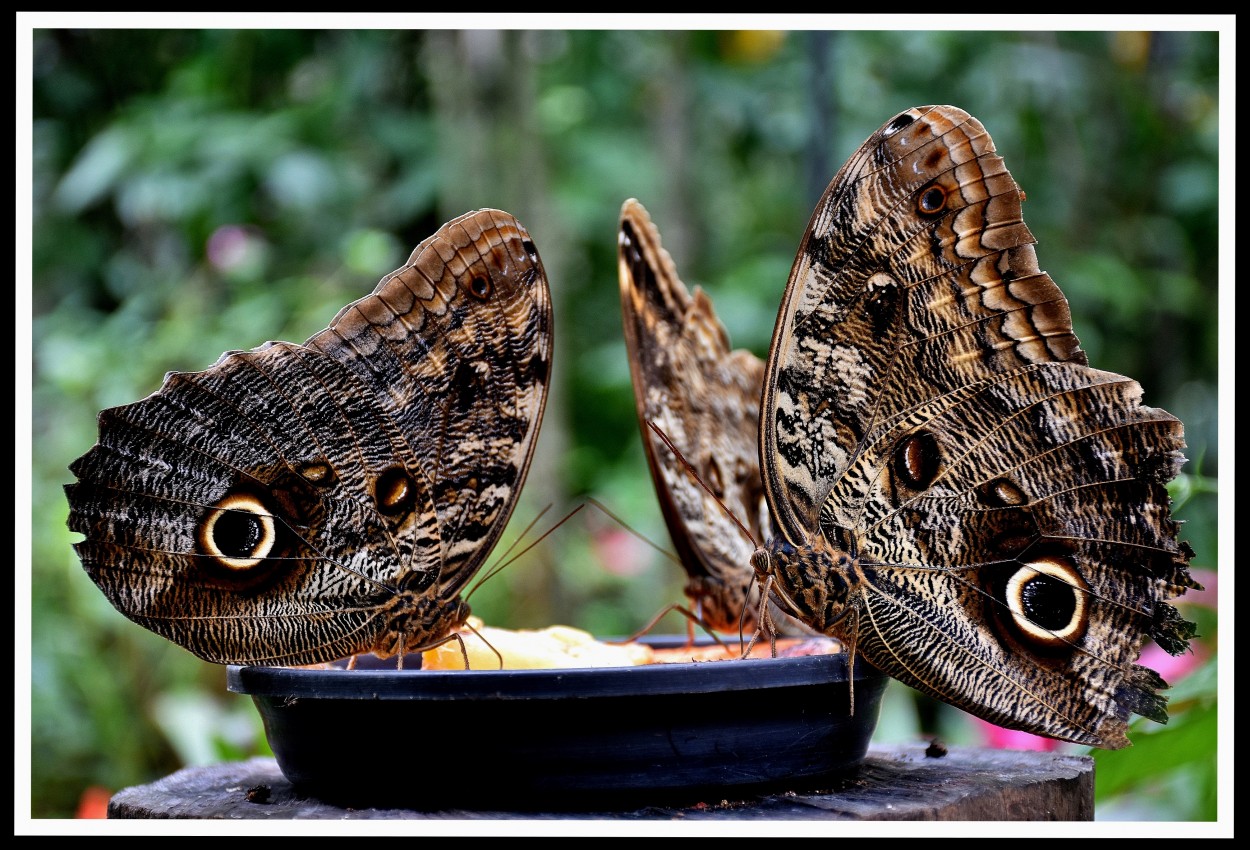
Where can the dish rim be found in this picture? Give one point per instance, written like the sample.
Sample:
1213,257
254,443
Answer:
680,677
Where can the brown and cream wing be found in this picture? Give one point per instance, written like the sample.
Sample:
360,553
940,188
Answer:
298,503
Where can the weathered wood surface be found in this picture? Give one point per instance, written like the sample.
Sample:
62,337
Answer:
893,783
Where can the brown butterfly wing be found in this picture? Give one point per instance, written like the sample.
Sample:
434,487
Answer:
299,503
456,346
983,514
705,398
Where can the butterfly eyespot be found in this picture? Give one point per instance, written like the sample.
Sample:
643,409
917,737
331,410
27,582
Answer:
530,248
395,492
239,532
898,123
932,201
1049,602
1001,493
318,474
480,287
916,460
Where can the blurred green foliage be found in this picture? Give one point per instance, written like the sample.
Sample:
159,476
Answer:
196,191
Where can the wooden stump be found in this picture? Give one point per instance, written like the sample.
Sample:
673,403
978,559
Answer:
893,783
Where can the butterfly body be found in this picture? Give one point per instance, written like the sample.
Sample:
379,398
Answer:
298,503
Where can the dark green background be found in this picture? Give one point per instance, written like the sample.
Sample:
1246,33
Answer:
327,155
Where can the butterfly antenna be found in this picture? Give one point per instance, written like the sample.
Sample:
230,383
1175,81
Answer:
504,554
692,618
761,624
638,534
698,478
502,563
525,531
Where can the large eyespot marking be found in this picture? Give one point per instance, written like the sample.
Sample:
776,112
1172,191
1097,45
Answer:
480,287
395,492
916,460
238,532
1049,602
530,248
932,200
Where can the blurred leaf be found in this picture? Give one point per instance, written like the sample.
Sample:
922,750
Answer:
96,171
1181,750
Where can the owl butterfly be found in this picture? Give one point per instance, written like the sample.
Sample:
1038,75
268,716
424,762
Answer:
705,398
294,504
958,496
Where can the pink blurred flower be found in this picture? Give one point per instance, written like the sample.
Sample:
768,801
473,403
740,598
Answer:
1173,668
233,247
1010,739
1209,579
620,552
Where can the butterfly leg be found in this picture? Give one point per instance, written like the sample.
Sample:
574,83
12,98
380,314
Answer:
764,621
853,631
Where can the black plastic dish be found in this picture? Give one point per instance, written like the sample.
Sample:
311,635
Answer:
570,739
